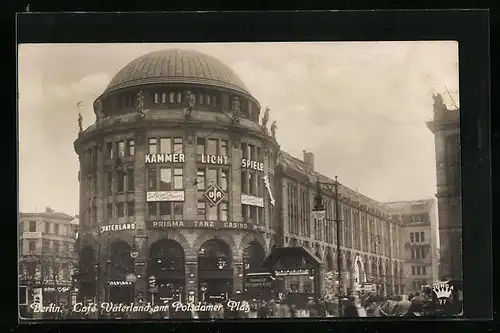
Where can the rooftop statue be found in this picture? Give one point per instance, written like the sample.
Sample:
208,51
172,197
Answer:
265,119
80,122
191,98
274,127
139,104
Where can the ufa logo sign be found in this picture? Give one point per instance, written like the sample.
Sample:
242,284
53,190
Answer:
214,194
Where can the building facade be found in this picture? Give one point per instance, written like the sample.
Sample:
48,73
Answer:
446,129
47,254
420,242
370,238
182,191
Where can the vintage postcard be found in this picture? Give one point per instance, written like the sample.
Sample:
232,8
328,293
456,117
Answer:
239,180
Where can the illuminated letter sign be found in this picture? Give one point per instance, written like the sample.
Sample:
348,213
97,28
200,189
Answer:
254,165
164,158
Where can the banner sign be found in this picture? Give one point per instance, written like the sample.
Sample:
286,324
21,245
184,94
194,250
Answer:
117,227
58,289
28,234
165,196
251,200
164,158
259,281
199,224
120,283
293,272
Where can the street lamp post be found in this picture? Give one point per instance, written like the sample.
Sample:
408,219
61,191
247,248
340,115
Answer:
319,213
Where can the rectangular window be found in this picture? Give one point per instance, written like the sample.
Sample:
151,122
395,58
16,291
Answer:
153,146
223,180
56,246
224,211
244,150
417,237
166,145
200,146
156,98
47,227
207,99
244,182
251,183
166,208
245,213
178,146
121,148
253,214
200,99
109,150
131,209
412,270
120,209
152,177
412,237
214,100
164,97
66,249
45,245
223,148
165,179
110,211
422,239
120,186
178,208
412,254
200,180
179,97
419,272
171,97
109,182
201,209
130,180
32,226
32,246
260,215
424,270
131,147
212,147
56,229
178,179
212,176
152,210
259,154
250,153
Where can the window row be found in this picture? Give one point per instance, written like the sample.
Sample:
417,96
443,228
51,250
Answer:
417,285
211,147
63,249
165,178
120,181
219,212
166,145
177,97
169,210
417,237
251,152
120,209
418,270
124,148
253,214
252,183
418,253
207,176
48,228
61,272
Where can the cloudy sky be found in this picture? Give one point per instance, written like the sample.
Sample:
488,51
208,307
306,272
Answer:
360,107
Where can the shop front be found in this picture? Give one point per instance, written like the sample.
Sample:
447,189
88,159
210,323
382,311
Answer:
120,274
297,273
256,282
166,266
215,271
86,275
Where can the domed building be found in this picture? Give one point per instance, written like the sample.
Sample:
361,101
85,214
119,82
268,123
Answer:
183,192
172,191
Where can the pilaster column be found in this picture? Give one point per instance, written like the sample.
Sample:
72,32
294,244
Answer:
321,280
140,179
237,274
191,278
235,178
190,176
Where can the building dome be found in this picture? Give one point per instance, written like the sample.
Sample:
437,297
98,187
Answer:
177,66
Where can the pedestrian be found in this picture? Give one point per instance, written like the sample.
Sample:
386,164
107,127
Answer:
350,309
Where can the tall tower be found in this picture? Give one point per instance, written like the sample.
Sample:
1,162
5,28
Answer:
446,129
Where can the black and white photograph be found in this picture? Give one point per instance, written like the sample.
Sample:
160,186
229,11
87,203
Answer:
162,181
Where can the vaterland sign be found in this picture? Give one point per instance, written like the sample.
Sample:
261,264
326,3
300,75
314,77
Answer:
199,224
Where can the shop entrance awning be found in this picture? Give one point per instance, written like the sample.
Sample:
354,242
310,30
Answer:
290,258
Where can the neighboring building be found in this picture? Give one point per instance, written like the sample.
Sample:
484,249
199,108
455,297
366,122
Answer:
420,242
46,254
446,129
173,185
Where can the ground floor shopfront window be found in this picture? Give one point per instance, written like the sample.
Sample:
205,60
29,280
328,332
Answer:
215,271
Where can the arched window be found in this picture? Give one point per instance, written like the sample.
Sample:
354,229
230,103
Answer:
121,263
166,255
214,254
253,255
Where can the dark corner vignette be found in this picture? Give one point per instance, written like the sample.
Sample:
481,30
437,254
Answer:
207,218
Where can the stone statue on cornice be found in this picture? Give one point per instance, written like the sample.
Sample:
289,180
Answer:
274,127
265,119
